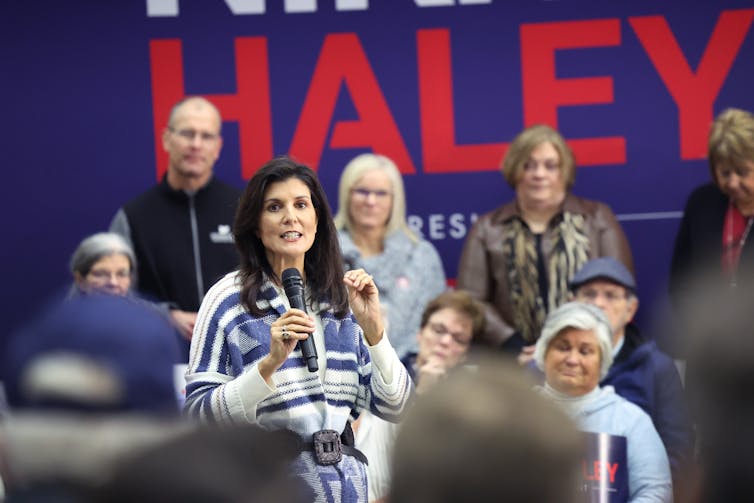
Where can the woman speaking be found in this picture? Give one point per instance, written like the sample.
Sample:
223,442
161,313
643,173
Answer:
245,364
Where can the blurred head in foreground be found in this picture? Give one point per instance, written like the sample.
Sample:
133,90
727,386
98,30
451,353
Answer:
484,435
238,464
98,353
720,383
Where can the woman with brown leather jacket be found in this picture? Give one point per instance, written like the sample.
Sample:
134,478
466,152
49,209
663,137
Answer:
518,258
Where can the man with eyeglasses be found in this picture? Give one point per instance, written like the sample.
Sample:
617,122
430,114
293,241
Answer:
180,229
640,372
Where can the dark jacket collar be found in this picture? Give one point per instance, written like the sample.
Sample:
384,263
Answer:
180,193
632,340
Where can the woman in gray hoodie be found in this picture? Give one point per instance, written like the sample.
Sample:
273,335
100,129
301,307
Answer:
575,353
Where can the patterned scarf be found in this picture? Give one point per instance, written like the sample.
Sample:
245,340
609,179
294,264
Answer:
569,252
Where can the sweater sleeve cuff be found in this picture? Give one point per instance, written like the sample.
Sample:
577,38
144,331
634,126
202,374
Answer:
384,358
245,392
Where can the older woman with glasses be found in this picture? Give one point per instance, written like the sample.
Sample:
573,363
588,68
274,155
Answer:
374,235
103,263
519,258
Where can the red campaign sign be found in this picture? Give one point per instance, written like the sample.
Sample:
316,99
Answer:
343,64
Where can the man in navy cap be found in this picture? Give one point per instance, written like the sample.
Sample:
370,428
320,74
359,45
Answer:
640,373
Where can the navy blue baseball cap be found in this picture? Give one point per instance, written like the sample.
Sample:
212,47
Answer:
93,353
607,268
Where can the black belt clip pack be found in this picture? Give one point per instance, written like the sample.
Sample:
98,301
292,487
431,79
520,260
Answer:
329,446
328,450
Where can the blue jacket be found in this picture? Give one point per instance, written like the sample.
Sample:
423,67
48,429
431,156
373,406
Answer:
602,411
647,377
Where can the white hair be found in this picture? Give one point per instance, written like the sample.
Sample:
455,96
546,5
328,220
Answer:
583,317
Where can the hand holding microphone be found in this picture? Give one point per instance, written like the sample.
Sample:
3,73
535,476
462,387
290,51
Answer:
363,297
292,328
294,290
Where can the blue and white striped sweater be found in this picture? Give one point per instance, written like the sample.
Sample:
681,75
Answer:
224,385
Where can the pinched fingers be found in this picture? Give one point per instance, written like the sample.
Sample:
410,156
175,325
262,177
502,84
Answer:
364,300
359,279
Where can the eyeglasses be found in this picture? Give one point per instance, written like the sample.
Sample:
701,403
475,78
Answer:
439,330
727,171
104,275
549,164
189,135
364,193
591,295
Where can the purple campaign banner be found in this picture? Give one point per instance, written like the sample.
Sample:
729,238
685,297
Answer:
440,86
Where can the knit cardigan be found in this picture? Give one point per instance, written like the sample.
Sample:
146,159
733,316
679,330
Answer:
224,384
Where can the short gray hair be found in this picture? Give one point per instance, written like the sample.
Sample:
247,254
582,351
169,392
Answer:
96,246
583,317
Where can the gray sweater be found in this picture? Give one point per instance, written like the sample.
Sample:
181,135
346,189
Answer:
408,274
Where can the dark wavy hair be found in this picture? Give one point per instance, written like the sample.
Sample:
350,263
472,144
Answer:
323,264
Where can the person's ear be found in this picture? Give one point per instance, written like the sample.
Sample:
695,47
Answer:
166,139
218,147
633,306
79,279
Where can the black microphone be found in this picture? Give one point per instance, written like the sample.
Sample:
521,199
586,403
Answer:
294,290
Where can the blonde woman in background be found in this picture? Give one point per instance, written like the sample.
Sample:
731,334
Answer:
374,235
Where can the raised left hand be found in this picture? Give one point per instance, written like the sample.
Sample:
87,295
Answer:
364,299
